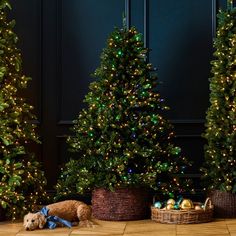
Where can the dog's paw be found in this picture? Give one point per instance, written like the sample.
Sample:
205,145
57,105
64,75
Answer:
86,223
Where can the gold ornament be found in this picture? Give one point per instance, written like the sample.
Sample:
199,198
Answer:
197,207
186,204
171,201
169,207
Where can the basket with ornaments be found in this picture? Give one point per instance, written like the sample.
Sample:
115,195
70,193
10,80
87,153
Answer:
182,211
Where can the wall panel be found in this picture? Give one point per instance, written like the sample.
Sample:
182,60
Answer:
181,43
84,27
61,42
28,29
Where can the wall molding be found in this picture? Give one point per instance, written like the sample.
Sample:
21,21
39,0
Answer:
59,59
214,17
146,24
187,121
127,13
40,71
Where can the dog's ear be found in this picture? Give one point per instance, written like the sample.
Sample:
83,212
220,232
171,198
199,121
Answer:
42,220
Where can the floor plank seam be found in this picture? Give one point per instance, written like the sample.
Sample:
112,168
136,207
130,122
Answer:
125,228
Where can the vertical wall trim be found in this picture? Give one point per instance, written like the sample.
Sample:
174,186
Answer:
59,16
127,13
146,26
41,35
146,23
214,18
41,72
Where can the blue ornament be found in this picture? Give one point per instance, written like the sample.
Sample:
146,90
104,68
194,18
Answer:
179,200
157,205
176,206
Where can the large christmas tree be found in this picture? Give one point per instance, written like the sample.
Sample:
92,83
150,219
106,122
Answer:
21,181
220,152
122,139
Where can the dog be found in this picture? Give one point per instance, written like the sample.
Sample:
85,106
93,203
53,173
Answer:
69,210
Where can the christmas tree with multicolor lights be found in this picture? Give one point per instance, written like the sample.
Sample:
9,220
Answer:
21,180
122,139
220,151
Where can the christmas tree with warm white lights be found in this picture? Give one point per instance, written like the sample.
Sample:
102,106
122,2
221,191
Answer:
122,139
220,152
21,180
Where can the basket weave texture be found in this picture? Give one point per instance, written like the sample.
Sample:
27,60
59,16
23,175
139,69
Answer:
183,216
122,204
224,204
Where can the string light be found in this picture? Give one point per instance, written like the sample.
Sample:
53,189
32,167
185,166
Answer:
16,131
220,152
122,139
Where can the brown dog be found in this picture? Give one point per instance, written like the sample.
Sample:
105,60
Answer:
69,210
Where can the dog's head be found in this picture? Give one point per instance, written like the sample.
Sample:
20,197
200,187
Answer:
33,221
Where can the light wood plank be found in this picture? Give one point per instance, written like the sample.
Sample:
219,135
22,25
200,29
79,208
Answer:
219,227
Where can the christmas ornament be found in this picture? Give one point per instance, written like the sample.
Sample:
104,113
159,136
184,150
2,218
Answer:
157,205
197,207
169,207
179,200
171,201
186,204
176,206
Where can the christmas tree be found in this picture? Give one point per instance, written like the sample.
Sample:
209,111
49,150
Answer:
220,152
122,139
21,181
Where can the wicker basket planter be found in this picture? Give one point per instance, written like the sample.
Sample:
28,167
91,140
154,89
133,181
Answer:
122,204
224,204
184,216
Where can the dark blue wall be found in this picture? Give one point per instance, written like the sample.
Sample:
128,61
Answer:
61,41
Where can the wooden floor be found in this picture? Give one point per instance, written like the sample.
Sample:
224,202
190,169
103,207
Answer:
219,227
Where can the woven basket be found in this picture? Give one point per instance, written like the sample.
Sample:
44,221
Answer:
224,204
184,216
122,204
